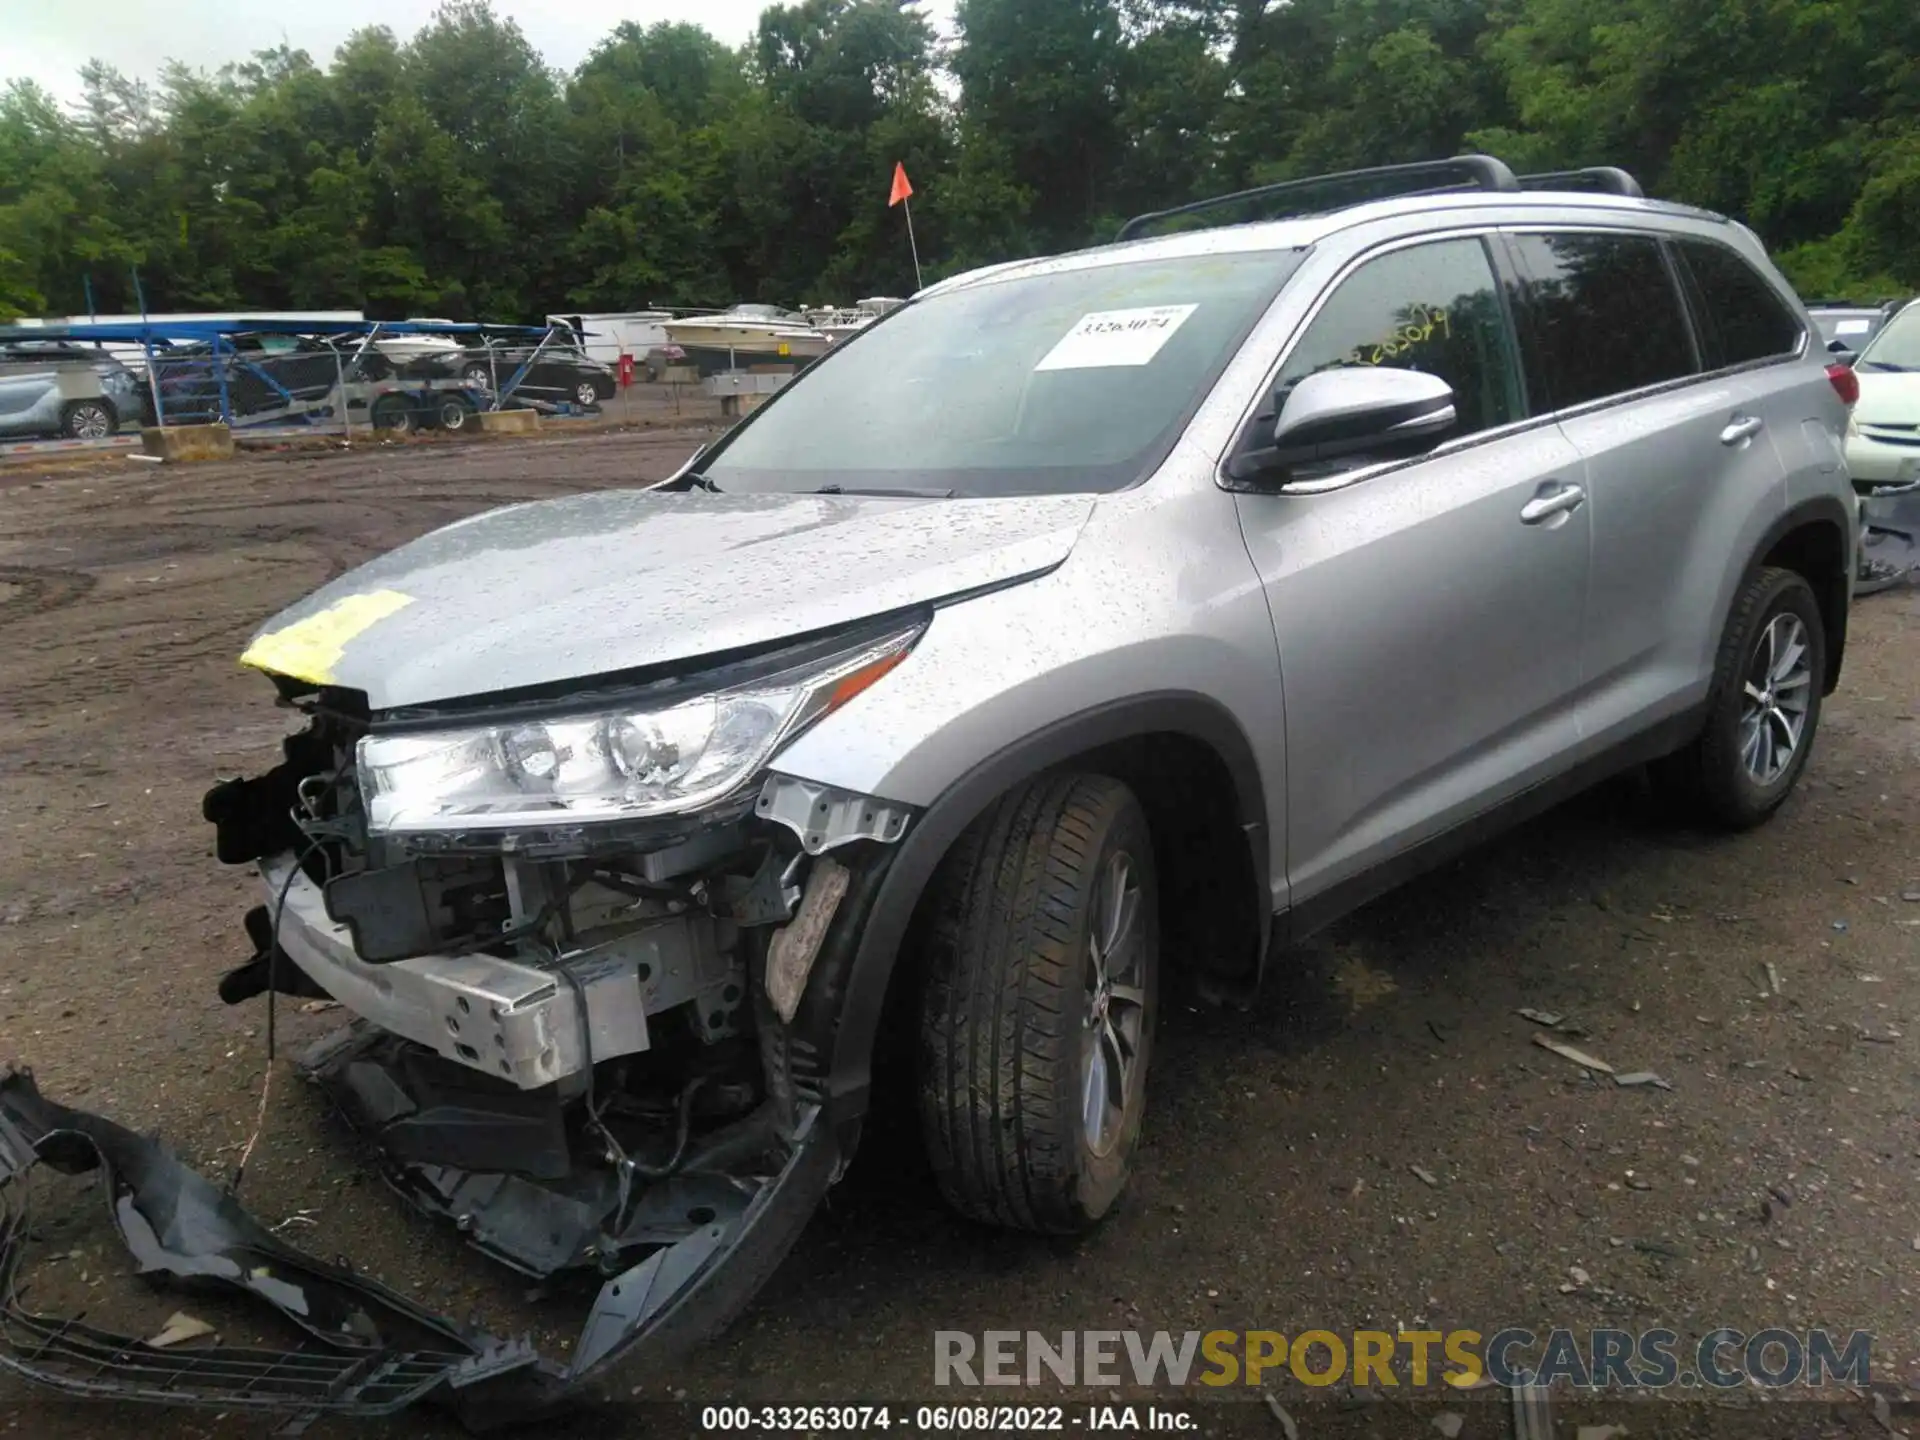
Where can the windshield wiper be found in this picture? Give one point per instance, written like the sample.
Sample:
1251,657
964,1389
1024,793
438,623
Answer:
1883,365
896,492
694,480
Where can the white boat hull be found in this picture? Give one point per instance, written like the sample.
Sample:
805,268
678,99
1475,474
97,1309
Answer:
715,347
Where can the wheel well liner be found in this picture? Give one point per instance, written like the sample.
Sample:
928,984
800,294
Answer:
1810,539
1190,715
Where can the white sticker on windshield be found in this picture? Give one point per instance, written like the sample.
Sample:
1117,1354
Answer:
1852,327
1116,337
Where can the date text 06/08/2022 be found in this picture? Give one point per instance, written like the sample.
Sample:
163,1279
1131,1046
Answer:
940,1418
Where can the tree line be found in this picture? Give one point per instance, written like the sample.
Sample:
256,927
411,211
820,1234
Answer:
453,173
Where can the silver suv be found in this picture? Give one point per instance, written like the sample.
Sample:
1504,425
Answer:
1085,626
75,391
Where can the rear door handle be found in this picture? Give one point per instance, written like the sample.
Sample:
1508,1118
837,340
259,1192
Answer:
1543,507
1742,427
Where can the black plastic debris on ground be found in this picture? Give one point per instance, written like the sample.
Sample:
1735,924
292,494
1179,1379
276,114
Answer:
368,1351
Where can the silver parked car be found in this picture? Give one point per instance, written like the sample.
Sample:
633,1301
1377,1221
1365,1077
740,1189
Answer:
1084,626
50,388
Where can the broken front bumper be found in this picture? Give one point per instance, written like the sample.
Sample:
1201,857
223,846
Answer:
366,1351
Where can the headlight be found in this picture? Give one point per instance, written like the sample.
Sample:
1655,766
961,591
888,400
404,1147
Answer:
623,764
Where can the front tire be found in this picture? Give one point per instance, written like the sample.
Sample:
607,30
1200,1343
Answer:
1763,710
1038,1016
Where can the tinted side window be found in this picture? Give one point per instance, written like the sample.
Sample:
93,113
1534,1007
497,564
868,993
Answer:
1745,319
1604,314
1433,308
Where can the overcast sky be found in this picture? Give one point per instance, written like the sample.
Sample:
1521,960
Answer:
49,42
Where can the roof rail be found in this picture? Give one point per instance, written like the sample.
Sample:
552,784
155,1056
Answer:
1463,172
1607,179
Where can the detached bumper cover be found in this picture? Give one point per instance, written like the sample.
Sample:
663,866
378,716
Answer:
367,1351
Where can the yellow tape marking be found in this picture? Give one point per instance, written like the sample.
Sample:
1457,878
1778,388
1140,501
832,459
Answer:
309,649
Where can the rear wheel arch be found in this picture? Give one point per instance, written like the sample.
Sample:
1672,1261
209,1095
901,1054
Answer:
1196,775
1811,540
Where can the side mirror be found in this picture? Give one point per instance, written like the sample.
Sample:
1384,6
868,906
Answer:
1354,410
1842,353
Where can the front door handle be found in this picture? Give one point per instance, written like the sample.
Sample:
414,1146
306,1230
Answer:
1742,427
1543,507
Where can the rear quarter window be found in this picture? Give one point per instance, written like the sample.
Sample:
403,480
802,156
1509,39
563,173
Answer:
1742,317
1604,314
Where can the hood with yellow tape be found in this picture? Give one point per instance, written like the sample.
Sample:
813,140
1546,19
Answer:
615,581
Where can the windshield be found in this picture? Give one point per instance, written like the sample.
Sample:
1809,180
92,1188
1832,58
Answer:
1897,346
1075,380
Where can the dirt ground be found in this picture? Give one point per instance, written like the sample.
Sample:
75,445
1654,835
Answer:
1773,1184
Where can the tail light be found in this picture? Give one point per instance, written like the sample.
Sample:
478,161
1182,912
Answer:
1845,383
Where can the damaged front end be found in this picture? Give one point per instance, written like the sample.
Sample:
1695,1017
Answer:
597,952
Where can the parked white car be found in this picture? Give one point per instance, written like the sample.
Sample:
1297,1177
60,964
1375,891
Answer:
1883,439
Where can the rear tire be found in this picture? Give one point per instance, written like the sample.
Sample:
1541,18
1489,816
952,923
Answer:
1037,1021
1762,712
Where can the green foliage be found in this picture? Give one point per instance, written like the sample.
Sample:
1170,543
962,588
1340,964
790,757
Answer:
453,173
1793,115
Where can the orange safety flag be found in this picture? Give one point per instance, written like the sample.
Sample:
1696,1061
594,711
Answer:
901,189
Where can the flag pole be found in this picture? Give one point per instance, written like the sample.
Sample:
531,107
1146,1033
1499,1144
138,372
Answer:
902,194
908,203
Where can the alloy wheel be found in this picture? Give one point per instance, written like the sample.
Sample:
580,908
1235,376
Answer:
1116,1001
90,422
1778,690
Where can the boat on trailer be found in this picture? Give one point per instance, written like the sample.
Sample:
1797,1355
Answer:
747,335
